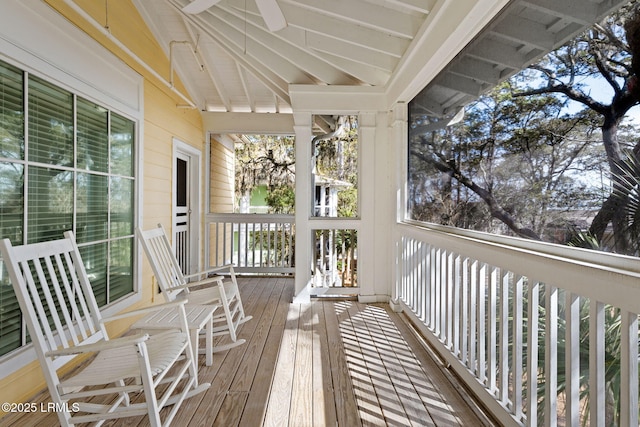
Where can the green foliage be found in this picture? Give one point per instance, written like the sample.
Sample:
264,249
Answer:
337,159
540,153
281,199
628,192
612,358
585,240
348,202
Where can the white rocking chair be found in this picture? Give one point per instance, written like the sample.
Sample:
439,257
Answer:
64,322
213,286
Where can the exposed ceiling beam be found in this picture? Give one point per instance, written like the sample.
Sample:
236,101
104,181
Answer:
363,72
209,68
270,79
257,123
460,84
248,48
499,53
216,80
264,74
247,90
474,68
574,10
420,6
427,106
525,31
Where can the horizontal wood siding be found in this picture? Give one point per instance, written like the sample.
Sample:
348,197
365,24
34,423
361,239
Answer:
221,193
164,119
222,175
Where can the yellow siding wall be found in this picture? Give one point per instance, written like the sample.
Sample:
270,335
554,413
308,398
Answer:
222,176
221,189
163,120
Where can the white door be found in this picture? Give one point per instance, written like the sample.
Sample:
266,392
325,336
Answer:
185,212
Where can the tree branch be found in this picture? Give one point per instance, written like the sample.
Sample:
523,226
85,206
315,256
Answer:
496,210
570,92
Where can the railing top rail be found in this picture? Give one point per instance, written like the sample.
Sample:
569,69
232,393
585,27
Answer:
249,218
623,262
608,278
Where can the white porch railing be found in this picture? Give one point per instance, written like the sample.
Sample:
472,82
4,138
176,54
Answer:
502,311
253,243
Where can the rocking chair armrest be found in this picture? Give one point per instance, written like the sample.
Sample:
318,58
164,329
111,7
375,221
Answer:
99,346
144,310
209,271
199,282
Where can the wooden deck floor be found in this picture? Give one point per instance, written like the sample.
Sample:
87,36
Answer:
327,363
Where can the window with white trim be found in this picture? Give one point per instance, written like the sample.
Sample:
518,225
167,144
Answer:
66,163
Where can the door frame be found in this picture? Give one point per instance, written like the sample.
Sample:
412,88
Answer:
194,186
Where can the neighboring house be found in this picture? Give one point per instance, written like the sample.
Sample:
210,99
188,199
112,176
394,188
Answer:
256,202
325,202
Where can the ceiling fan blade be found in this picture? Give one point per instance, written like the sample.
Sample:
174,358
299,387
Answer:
272,14
197,6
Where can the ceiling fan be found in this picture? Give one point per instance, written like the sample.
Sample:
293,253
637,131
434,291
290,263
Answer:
269,9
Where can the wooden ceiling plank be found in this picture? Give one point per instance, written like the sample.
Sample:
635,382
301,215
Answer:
343,50
286,50
333,27
377,17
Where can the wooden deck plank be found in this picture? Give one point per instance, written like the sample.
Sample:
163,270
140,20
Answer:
385,366
395,356
256,407
343,388
255,347
301,412
230,361
446,406
231,410
327,363
280,397
357,366
192,408
246,372
324,408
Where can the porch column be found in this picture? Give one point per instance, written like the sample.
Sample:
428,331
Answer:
398,134
304,197
367,234
377,208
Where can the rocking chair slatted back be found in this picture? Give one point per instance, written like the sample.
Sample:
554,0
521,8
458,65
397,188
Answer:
58,299
165,265
207,286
